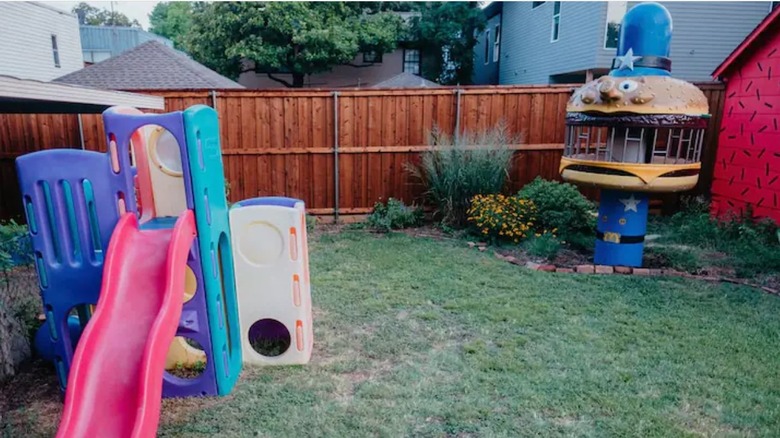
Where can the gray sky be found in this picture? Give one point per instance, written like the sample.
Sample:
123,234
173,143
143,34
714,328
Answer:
134,10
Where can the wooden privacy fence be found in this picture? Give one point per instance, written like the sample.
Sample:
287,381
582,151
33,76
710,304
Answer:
342,150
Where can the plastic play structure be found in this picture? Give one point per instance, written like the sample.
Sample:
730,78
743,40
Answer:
143,268
633,132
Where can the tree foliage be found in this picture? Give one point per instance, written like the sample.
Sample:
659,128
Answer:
102,17
297,38
172,20
447,32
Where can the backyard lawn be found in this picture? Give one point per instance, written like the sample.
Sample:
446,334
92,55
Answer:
423,337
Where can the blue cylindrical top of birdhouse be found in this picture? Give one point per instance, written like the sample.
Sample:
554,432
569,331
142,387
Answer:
643,45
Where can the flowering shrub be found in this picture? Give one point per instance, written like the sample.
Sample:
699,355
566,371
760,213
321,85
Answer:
500,217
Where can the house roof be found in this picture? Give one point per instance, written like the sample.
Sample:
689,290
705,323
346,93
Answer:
406,80
769,23
22,96
493,9
149,66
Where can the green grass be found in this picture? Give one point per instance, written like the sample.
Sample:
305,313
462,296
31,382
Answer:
417,337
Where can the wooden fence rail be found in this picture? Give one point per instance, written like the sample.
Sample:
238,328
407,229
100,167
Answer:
342,150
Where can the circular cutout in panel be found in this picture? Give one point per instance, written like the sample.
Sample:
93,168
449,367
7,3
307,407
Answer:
165,152
190,284
269,337
261,243
186,358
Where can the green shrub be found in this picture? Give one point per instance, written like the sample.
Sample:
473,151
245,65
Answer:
544,245
15,245
457,168
498,217
394,215
561,208
752,246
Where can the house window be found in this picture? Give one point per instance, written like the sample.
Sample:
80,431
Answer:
412,61
372,57
487,46
55,51
773,5
615,13
556,21
497,43
535,5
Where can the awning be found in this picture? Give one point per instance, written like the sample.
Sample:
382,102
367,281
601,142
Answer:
24,96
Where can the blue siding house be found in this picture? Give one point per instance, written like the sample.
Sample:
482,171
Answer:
99,43
573,42
487,52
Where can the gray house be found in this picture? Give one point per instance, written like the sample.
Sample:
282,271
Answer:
572,42
99,43
487,52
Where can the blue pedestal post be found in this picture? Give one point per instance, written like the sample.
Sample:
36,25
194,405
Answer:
621,228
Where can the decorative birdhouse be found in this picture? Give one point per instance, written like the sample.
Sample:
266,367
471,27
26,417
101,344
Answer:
634,131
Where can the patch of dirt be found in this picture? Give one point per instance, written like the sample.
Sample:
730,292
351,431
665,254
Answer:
181,410
350,380
568,258
428,231
33,390
187,372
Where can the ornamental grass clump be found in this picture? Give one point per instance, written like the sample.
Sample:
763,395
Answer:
457,168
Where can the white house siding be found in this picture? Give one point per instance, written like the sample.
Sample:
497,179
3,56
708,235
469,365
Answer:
25,41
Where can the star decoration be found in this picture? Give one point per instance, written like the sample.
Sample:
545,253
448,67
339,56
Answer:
630,203
627,60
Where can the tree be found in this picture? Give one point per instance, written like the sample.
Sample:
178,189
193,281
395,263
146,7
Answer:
446,32
102,17
172,20
296,38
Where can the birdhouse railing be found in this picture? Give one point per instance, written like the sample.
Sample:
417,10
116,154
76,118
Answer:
634,144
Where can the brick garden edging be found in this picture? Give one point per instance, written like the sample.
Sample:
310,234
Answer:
589,269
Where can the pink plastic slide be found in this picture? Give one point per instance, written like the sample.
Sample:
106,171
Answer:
115,384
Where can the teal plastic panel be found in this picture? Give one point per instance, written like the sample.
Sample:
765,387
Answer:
201,127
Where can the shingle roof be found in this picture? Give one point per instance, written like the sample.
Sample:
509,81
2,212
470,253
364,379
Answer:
406,80
150,66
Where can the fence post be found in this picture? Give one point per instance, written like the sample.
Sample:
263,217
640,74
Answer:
213,99
457,114
336,156
81,132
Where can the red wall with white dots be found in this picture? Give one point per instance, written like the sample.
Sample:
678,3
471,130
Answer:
747,167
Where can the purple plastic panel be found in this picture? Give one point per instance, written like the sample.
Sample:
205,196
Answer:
122,126
280,201
71,202
194,324
194,320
